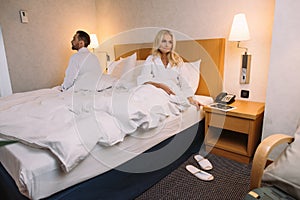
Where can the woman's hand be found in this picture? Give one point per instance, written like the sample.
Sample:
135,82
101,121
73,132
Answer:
195,102
166,89
162,86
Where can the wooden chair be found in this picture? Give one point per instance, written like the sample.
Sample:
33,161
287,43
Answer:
260,160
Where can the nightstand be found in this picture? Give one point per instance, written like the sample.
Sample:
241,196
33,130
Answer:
234,134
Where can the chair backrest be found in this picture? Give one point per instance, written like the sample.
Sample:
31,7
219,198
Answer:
260,159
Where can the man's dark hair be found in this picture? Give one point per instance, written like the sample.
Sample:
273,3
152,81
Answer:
84,37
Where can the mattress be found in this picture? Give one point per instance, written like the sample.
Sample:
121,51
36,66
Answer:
37,174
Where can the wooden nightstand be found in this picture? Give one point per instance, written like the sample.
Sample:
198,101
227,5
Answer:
234,134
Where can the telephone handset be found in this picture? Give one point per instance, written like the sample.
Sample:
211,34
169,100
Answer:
225,98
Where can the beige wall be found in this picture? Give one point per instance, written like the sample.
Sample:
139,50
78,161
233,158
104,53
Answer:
197,19
38,52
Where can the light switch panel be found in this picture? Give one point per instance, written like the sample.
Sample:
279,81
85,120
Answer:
24,16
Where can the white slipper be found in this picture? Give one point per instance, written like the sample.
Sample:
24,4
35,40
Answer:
202,175
203,162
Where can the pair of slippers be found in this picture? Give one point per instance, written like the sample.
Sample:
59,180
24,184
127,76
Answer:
205,165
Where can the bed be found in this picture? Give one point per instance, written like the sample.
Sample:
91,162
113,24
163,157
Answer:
121,170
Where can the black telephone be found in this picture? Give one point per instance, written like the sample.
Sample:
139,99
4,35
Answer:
225,98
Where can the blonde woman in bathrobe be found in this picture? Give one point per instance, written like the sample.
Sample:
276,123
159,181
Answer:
162,70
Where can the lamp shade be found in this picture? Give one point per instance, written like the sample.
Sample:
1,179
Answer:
94,41
239,29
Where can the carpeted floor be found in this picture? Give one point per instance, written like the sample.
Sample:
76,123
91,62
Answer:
231,182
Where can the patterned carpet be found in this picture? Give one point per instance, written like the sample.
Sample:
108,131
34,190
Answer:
231,182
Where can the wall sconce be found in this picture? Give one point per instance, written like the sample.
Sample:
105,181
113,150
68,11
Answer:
240,32
94,42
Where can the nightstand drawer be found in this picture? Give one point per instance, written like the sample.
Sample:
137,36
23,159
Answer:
229,122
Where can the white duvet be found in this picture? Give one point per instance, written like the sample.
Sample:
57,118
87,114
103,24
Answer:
69,124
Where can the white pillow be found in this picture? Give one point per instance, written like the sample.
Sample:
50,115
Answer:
191,72
140,63
113,65
284,172
105,81
118,68
132,75
129,78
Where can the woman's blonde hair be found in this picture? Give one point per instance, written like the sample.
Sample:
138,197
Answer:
173,57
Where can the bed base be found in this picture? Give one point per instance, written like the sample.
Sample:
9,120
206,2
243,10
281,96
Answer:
115,184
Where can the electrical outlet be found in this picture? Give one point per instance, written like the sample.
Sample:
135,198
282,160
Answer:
245,93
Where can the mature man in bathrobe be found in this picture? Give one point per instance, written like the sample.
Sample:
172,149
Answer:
84,68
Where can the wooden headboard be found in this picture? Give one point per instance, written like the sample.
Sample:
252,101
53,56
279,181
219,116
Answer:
210,51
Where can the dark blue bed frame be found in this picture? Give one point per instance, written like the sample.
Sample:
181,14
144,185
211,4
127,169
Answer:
116,184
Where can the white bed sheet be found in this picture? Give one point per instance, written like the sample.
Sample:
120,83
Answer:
38,174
